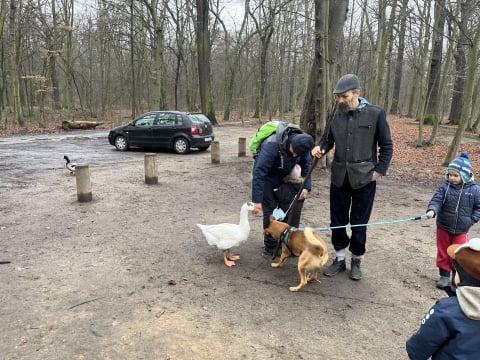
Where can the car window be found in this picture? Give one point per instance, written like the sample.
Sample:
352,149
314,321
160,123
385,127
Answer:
178,119
199,119
166,119
147,120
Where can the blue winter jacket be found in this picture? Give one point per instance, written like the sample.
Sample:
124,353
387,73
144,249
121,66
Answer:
457,207
271,166
450,329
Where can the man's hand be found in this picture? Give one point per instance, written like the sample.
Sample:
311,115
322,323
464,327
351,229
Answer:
317,152
430,214
376,176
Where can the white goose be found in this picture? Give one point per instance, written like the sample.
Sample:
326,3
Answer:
225,236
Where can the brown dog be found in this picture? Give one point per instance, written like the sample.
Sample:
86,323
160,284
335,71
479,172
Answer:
306,244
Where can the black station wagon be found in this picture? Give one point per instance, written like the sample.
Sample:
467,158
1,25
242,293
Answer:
179,131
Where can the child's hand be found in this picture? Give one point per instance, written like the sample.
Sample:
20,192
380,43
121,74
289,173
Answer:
256,208
430,214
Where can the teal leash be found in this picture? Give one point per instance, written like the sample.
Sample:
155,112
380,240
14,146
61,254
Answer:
422,217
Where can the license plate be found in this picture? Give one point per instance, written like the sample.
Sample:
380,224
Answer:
208,139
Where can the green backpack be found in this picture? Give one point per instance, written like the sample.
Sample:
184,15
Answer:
281,130
262,133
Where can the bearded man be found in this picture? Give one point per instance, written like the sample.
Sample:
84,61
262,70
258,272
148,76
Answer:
363,151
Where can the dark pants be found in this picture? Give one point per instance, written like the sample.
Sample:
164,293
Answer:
269,204
351,206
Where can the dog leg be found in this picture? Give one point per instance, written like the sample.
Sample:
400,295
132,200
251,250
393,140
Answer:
285,254
302,271
303,281
313,276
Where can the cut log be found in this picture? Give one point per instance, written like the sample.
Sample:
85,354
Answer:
75,125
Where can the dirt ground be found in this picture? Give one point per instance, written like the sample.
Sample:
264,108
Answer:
129,275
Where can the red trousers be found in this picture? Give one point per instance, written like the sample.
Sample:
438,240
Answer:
444,240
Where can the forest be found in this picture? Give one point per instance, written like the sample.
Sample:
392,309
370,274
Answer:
231,59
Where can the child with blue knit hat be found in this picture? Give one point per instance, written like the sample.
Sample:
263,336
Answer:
456,205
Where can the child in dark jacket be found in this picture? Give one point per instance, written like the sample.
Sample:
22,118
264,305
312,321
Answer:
450,329
456,204
286,192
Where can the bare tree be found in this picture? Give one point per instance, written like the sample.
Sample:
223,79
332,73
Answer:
233,50
436,59
203,50
397,82
330,16
265,26
460,62
465,117
14,40
155,24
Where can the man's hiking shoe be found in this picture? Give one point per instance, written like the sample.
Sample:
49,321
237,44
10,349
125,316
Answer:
335,268
355,272
443,282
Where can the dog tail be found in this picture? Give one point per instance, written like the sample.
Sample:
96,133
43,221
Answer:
309,234
315,240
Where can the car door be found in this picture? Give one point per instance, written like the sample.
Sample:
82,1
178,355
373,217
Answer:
141,133
164,129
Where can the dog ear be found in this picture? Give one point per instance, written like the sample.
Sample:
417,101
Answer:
272,218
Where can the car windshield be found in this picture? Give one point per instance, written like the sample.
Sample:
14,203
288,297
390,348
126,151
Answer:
199,119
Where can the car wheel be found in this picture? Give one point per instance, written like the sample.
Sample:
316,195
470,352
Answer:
203,148
181,146
121,143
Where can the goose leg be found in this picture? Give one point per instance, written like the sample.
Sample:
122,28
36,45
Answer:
226,259
232,256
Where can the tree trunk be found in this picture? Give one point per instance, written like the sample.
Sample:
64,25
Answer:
14,64
470,80
133,85
203,50
53,54
314,112
68,10
440,107
397,82
436,61
422,70
157,23
460,66
265,32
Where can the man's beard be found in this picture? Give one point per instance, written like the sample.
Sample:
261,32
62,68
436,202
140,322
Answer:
351,105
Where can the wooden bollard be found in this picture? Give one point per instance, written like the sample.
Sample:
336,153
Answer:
242,147
215,152
84,188
151,173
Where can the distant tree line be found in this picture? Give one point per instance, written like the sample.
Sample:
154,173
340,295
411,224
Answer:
270,59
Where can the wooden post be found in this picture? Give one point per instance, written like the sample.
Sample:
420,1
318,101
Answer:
151,173
242,147
215,152
84,188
